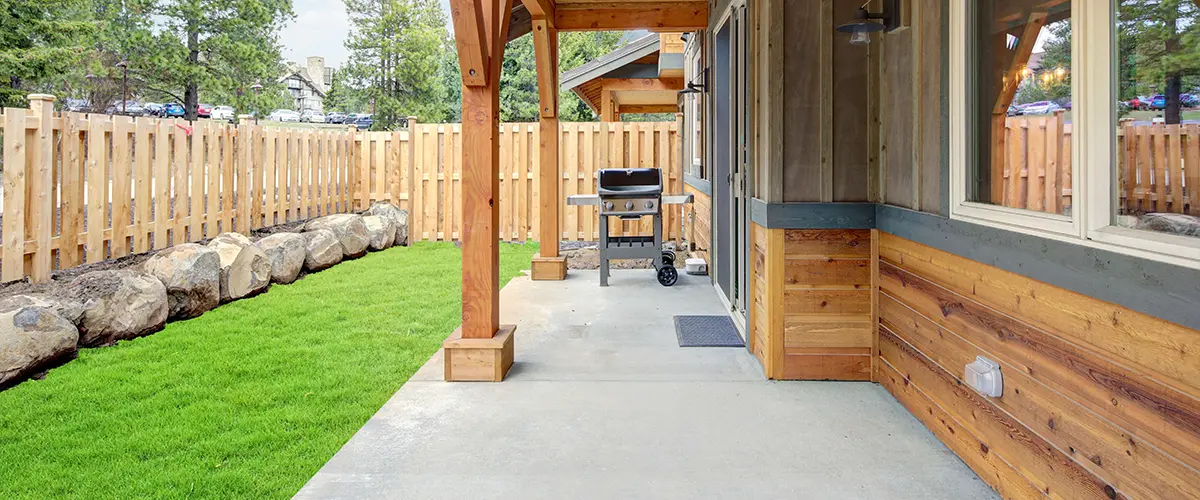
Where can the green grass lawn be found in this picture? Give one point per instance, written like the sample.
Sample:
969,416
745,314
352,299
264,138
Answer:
247,401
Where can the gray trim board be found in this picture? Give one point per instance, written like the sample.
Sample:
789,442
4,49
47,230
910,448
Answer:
702,185
1150,287
1157,289
812,215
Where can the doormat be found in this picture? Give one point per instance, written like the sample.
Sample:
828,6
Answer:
707,331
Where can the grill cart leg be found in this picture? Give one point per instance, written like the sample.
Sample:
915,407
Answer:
658,260
603,250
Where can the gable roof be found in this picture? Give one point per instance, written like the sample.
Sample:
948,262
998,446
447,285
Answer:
611,61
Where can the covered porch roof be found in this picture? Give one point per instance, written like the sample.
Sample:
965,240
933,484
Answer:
644,76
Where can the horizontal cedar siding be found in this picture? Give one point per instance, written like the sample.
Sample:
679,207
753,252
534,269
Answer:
1082,415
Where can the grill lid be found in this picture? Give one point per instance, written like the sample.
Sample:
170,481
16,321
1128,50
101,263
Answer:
629,183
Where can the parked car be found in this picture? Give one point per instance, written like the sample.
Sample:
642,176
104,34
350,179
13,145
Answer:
204,110
335,117
1040,108
1189,100
312,116
284,115
75,105
1158,102
173,110
152,109
1137,104
1015,110
363,121
222,113
131,108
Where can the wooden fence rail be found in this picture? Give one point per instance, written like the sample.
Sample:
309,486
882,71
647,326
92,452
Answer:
1158,166
83,188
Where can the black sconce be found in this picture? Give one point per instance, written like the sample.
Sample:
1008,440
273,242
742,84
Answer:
866,22
696,88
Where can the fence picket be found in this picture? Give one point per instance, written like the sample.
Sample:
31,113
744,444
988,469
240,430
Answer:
142,195
72,187
429,183
1174,167
1191,168
13,266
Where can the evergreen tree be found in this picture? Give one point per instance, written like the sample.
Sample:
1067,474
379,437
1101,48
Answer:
396,53
40,40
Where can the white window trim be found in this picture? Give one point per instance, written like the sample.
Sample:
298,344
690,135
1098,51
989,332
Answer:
1093,89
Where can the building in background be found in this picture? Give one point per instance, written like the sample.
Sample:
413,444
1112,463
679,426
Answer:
308,83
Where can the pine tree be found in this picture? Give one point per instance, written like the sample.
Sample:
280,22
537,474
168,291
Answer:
396,55
40,40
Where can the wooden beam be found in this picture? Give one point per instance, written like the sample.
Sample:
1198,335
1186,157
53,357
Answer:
471,41
1012,77
545,48
647,108
613,84
548,264
653,16
540,9
481,178
521,23
608,107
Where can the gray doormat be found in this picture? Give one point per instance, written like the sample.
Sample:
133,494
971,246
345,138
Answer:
707,331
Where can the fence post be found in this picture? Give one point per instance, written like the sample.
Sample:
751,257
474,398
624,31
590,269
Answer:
352,166
40,211
412,158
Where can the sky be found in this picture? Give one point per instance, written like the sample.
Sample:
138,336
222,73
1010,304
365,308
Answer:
320,29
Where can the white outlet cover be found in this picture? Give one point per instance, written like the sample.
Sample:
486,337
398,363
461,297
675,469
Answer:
984,376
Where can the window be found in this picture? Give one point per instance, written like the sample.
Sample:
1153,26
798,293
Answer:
1079,120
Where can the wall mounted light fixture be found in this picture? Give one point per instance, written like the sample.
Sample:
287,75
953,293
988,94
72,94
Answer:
696,88
867,22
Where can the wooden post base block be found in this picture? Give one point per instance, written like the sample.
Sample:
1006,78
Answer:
479,360
549,268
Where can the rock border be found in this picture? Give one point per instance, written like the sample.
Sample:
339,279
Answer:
176,283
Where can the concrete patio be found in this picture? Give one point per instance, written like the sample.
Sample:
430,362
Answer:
602,403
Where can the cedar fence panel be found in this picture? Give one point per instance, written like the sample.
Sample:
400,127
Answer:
81,188
1158,166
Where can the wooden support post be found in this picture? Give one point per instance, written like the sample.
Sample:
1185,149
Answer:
548,264
467,351
608,107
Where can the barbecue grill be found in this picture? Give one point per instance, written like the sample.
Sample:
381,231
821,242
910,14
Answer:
631,194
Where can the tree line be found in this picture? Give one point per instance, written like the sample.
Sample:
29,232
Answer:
402,59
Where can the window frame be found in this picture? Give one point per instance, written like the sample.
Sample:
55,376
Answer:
693,114
1094,92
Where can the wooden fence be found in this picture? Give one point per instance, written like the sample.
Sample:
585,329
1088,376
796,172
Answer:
424,177
84,188
1158,166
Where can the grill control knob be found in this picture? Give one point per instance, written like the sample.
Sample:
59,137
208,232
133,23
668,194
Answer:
629,205
649,205
608,205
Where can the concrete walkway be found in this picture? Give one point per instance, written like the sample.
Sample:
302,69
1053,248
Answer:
602,403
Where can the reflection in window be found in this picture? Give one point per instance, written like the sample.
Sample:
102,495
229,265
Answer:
1021,94
1157,167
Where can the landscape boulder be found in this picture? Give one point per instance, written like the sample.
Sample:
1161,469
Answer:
34,337
245,269
1182,224
382,232
398,217
349,230
117,305
287,252
192,275
322,250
